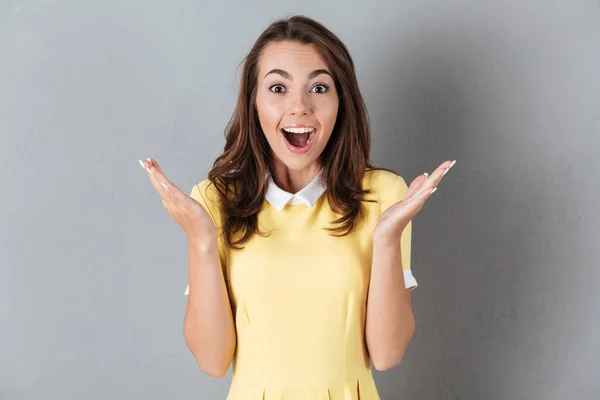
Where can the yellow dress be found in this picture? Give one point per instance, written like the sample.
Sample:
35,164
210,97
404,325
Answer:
299,298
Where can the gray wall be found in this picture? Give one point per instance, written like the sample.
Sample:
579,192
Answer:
92,268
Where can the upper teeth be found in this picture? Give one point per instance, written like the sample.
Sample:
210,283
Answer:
299,130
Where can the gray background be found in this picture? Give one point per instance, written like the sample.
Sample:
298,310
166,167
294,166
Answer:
93,270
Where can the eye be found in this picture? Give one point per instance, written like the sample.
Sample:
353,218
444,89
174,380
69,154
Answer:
275,86
323,85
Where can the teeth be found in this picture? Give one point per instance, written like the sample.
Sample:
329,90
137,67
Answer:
310,136
299,130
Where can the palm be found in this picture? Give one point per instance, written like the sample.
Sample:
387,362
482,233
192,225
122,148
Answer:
185,210
393,220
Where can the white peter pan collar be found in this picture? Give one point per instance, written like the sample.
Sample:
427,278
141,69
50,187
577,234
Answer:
309,195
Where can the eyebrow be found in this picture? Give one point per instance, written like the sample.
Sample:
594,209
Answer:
287,75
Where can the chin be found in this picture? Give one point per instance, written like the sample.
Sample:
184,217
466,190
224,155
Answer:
297,163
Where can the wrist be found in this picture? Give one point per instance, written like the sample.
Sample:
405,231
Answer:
203,243
381,240
388,236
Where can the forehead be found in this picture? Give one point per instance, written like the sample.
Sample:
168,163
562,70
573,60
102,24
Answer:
290,56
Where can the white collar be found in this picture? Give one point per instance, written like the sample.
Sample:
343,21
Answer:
309,195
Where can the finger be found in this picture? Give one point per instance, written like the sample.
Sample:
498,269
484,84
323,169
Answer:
161,177
416,185
153,163
449,166
164,183
157,179
425,185
172,191
425,193
150,162
436,176
439,171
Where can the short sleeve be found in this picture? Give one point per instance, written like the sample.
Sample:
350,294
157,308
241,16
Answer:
206,194
399,191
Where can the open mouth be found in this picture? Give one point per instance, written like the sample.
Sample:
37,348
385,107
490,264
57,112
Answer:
298,140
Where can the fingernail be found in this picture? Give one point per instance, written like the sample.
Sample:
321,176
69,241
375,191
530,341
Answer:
448,169
165,185
143,166
426,174
434,189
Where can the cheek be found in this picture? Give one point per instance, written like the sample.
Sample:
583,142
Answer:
270,105
269,116
328,114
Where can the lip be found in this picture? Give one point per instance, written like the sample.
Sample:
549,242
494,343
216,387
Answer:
299,126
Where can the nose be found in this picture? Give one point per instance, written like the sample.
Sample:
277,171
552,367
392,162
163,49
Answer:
298,103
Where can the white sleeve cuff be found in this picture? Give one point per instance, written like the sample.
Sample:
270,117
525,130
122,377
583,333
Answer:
409,280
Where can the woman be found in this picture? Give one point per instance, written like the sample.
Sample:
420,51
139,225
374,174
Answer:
296,241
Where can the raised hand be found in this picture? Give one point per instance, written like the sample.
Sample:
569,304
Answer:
392,222
187,212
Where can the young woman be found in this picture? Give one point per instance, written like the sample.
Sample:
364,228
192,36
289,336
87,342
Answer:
299,248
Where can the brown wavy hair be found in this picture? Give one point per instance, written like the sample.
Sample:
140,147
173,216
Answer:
239,172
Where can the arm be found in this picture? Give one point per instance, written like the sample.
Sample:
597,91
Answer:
209,329
390,322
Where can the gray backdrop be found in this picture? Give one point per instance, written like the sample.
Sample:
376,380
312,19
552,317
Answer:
93,270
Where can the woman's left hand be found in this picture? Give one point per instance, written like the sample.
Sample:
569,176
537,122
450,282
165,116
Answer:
392,222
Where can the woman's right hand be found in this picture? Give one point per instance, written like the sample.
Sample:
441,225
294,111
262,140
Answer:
187,212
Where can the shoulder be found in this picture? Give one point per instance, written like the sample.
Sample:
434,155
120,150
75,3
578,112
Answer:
385,184
386,187
381,177
204,191
210,192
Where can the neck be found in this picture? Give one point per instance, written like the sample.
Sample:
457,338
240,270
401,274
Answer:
293,181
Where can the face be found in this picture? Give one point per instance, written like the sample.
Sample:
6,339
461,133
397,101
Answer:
295,87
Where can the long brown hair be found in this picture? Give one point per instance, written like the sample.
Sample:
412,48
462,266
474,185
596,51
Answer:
239,172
